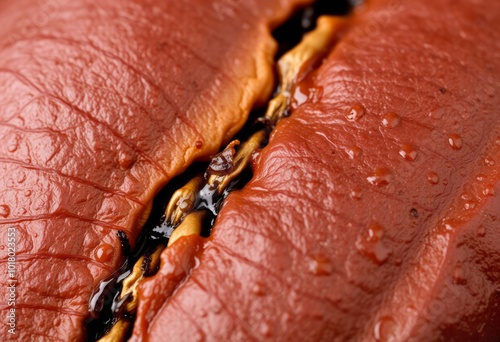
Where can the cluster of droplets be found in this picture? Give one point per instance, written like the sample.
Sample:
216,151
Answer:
390,120
485,188
380,176
370,243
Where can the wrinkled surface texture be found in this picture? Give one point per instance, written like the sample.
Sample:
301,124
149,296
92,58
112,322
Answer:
101,103
371,229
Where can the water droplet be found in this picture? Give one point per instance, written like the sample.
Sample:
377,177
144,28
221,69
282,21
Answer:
199,144
455,141
382,331
354,152
2,247
497,141
481,178
489,161
355,113
125,160
27,193
259,289
369,244
380,177
451,224
481,231
432,177
408,152
489,190
469,205
390,120
445,181
320,265
4,210
375,232
104,252
356,193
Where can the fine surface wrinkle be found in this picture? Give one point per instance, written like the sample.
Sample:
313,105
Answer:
310,250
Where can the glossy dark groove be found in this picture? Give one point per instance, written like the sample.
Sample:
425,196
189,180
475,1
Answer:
105,309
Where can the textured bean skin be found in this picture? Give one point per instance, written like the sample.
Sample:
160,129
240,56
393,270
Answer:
373,214
101,104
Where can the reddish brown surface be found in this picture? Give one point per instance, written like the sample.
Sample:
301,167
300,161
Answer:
385,227
101,103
